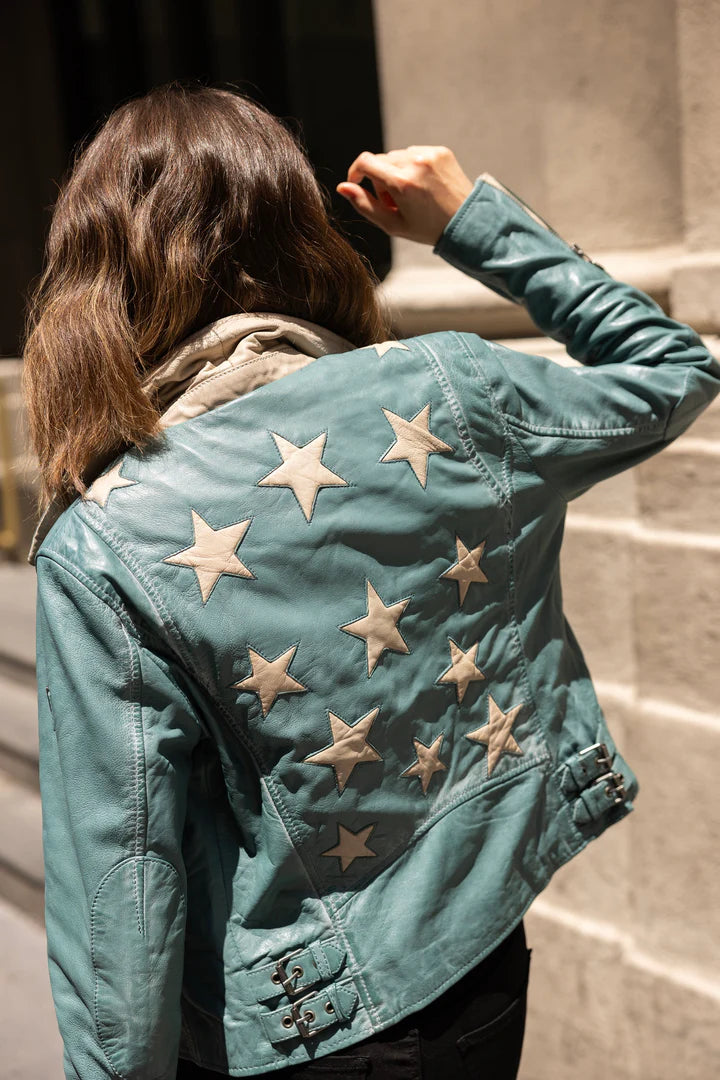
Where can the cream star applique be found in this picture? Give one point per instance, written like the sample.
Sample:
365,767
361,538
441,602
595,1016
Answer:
100,489
385,346
213,553
379,628
462,670
467,568
428,762
270,678
302,470
349,747
496,734
414,442
351,846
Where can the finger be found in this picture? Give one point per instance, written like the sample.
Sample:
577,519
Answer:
380,213
374,167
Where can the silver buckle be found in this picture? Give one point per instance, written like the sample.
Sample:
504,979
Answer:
301,1021
614,786
281,978
603,757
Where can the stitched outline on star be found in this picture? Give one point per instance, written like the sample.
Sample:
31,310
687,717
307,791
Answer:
414,443
461,573
340,850
497,733
459,661
373,605
288,453
265,668
206,532
426,764
340,754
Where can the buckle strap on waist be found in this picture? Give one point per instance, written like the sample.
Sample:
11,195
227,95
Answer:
311,1014
593,776
295,972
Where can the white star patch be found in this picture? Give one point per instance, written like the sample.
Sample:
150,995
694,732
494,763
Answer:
100,489
351,846
496,734
379,628
462,670
302,471
467,568
349,747
383,347
270,678
414,442
428,762
213,553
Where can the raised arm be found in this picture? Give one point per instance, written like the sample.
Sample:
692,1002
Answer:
646,376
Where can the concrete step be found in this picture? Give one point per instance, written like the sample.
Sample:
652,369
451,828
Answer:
21,860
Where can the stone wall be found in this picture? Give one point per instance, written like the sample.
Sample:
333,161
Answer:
603,117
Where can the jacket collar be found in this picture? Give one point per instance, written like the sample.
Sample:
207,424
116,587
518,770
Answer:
223,361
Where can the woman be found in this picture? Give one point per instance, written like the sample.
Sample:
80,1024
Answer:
314,731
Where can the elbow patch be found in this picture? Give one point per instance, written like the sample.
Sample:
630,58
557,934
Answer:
137,934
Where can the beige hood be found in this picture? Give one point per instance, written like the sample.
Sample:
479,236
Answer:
223,361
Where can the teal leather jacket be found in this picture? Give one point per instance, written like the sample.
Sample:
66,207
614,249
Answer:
314,731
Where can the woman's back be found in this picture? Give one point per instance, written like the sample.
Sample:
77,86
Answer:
314,731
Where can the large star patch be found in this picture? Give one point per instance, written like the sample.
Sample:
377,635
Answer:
213,553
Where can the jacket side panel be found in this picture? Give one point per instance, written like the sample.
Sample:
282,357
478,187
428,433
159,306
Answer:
115,886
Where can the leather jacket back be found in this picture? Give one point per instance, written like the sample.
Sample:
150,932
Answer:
314,729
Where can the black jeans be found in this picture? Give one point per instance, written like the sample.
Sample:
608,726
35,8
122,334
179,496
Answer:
475,1030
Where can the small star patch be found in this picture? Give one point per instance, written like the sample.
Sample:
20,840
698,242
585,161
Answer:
379,627
467,568
383,347
428,762
351,846
270,678
462,670
349,747
99,490
497,734
213,553
302,471
414,442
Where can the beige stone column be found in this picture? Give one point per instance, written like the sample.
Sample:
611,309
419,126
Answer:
605,118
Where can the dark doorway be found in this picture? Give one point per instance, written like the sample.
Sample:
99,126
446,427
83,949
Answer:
67,63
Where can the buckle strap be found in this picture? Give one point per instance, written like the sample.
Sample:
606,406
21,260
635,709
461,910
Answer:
295,972
309,1015
594,782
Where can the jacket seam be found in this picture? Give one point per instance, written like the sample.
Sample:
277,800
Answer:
580,433
472,455
505,418
135,684
510,535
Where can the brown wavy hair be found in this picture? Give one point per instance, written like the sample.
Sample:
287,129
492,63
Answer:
190,204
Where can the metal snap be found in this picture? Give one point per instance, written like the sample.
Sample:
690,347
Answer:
287,1021
309,1016
329,1007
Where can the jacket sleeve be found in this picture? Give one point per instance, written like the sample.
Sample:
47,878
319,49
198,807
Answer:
116,739
644,379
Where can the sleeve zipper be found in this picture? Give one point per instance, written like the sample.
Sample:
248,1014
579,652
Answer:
489,179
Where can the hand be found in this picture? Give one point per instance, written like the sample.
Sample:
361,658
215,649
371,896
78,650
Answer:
417,190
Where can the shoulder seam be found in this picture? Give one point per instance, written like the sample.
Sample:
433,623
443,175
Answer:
471,451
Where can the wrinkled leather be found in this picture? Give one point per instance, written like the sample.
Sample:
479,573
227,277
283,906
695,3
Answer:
184,833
